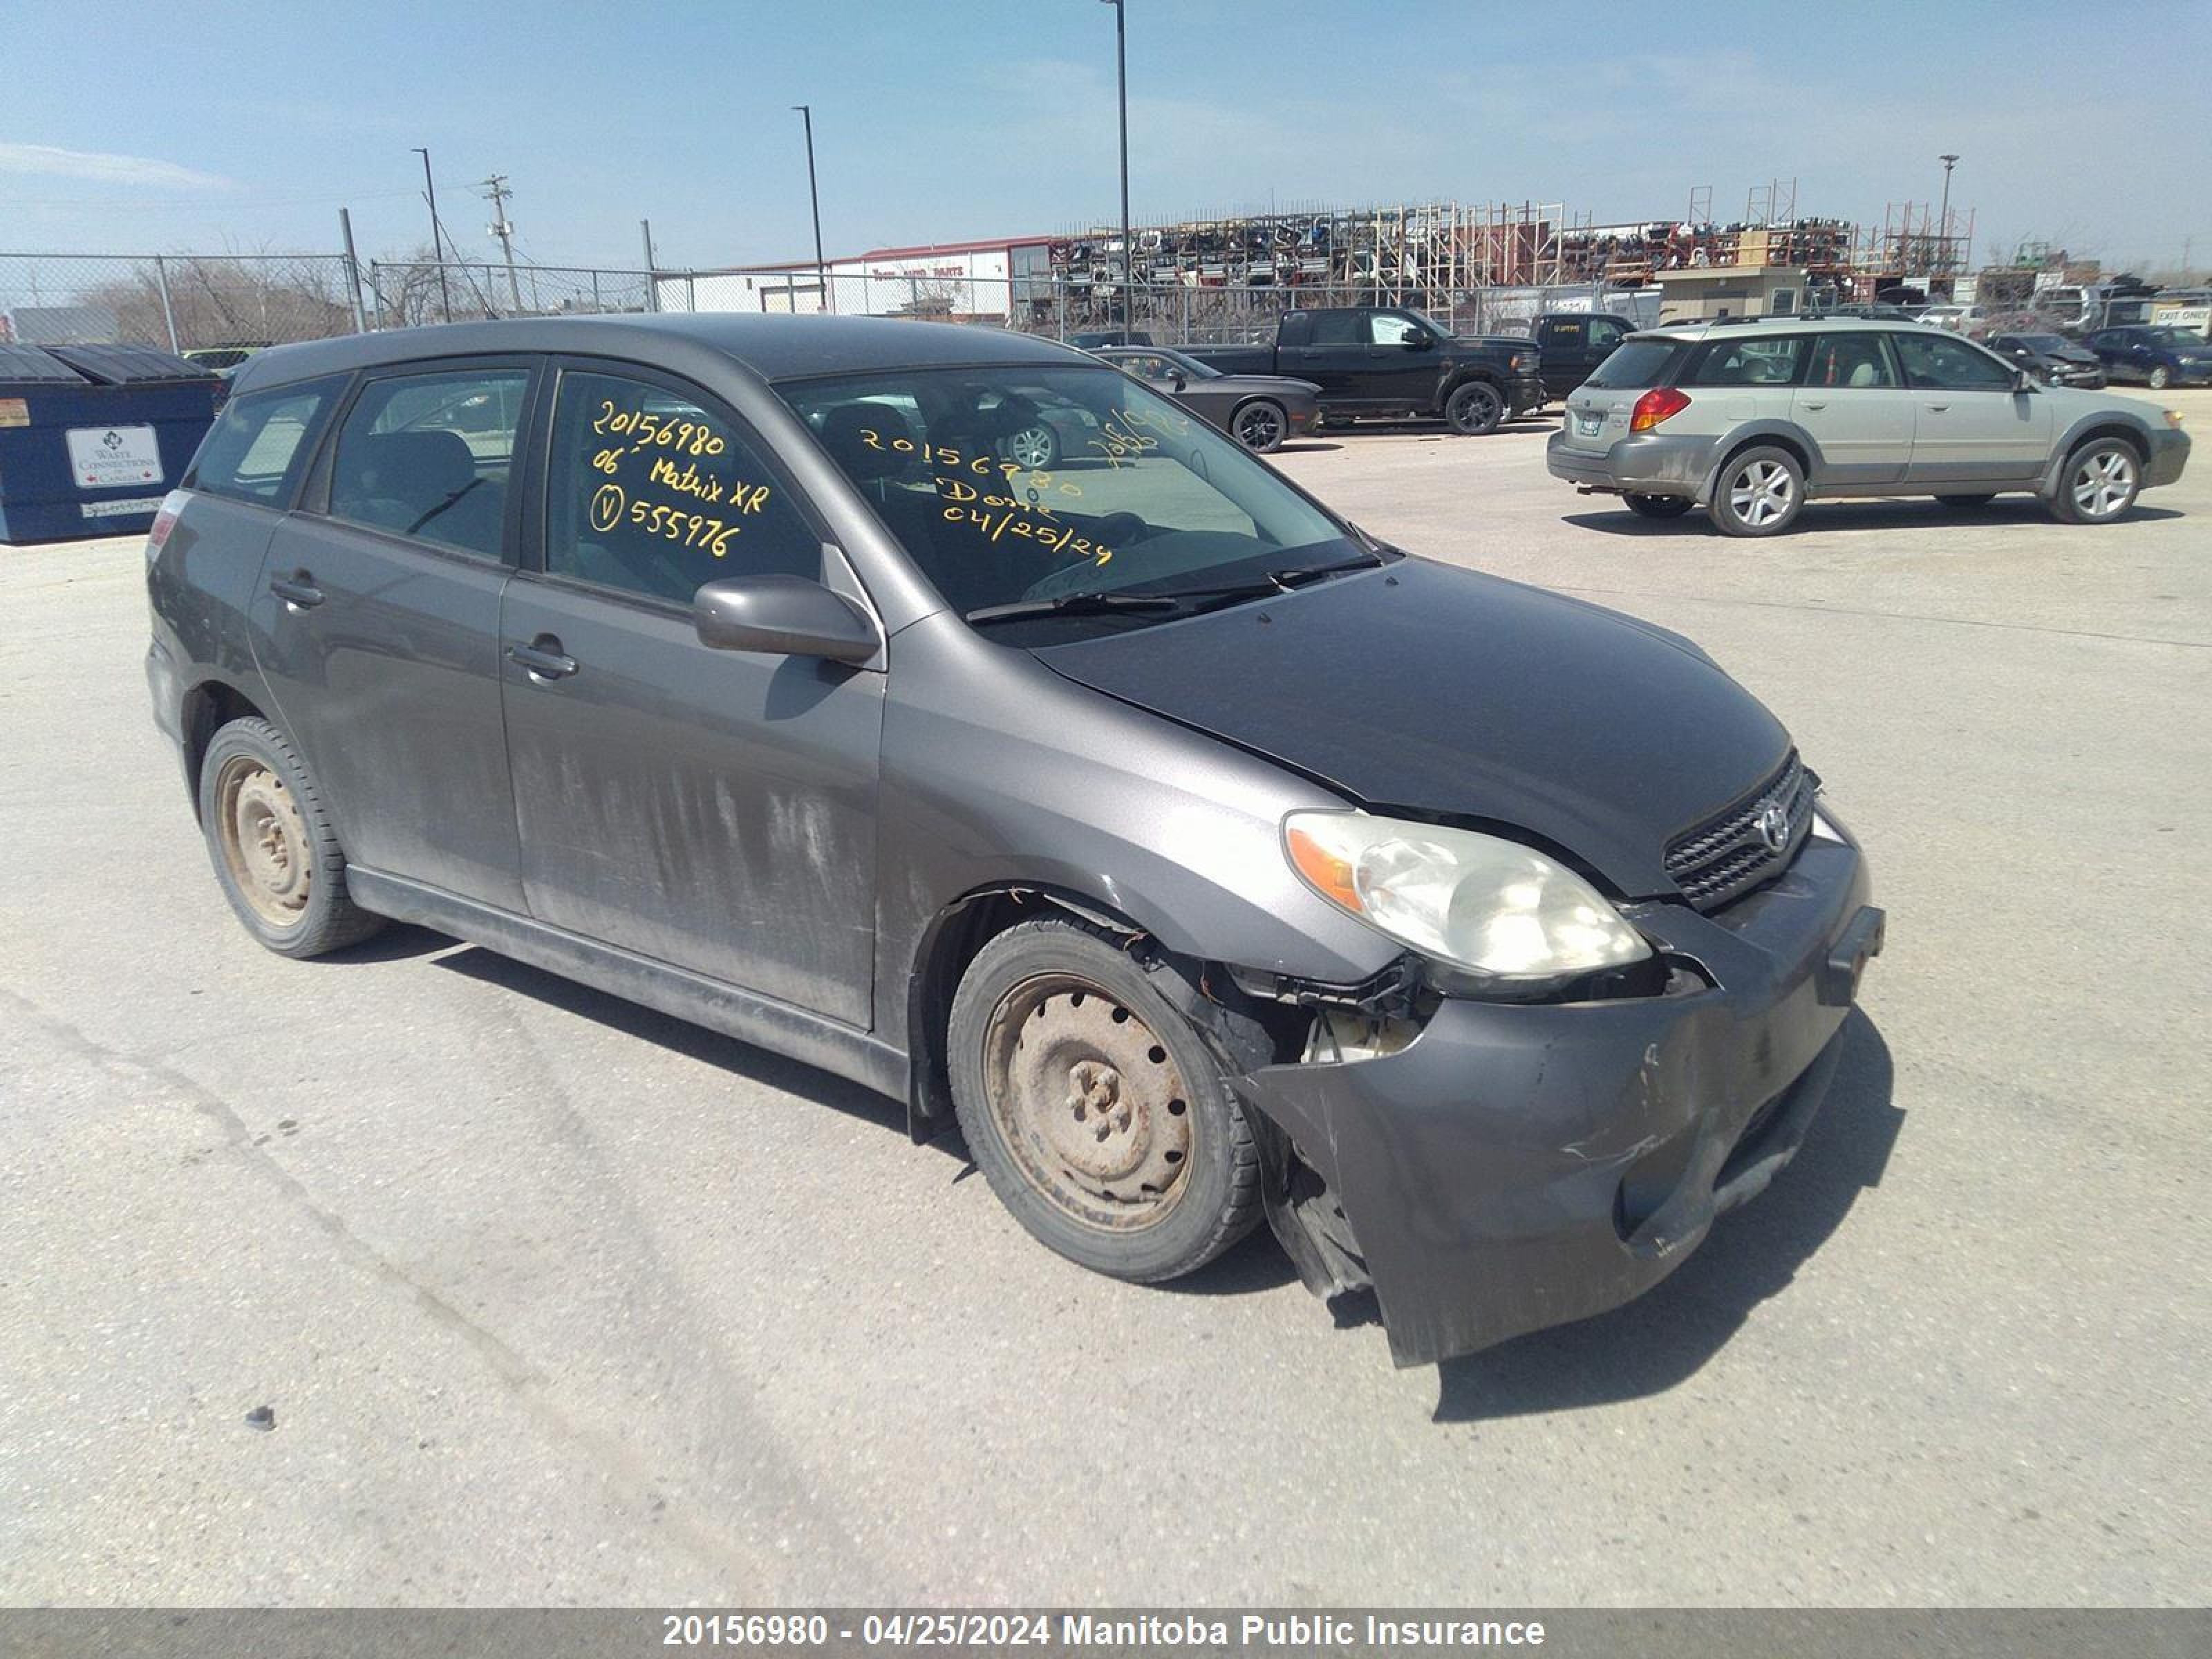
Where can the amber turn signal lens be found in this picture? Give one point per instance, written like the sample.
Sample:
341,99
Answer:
1330,875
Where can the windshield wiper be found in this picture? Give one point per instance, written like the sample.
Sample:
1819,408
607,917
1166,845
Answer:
1300,575
1073,604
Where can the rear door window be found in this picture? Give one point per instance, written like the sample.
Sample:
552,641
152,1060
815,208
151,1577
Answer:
428,456
1747,359
1851,361
257,451
656,493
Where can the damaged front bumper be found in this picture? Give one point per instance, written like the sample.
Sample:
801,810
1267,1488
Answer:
1519,1166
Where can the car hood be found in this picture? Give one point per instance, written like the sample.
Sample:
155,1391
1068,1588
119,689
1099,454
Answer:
1426,688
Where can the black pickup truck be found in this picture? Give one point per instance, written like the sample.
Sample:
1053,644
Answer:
1573,344
1378,360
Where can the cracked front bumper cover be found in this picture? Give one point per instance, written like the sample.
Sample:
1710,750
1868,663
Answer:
1519,1166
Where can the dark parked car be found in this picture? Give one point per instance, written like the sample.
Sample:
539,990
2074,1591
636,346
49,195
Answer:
2159,357
1486,943
1092,339
1379,360
1258,410
2051,358
1573,344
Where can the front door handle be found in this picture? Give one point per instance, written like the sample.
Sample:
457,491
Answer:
543,658
1823,404
1937,409
297,590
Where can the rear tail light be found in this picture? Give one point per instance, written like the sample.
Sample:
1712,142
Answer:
1661,402
173,506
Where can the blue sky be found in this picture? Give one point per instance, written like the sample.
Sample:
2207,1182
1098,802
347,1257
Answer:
192,125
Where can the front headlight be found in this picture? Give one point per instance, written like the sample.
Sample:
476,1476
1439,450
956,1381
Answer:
1497,908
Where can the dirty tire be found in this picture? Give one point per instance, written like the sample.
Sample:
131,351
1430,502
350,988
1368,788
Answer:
1759,492
275,856
1659,507
1029,1111
2099,483
1475,410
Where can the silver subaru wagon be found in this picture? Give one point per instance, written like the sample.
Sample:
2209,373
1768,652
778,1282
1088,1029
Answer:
1751,418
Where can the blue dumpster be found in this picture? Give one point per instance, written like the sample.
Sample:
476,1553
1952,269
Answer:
92,436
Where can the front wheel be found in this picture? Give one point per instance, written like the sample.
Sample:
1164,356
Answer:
1475,410
1093,1107
1760,493
2100,482
1659,507
1259,427
2161,378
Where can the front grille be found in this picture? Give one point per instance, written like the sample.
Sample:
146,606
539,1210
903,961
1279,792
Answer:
1731,855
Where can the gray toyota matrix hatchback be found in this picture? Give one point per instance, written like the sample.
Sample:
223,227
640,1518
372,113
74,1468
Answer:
1205,858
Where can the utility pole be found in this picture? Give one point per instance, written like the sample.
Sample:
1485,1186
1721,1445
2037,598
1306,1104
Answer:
652,281
814,200
1121,77
437,237
1943,218
496,188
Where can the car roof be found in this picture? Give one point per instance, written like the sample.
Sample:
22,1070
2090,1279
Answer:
773,347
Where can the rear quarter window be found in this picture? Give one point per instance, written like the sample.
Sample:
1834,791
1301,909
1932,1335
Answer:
1634,363
258,447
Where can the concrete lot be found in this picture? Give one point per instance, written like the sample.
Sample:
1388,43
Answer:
554,1299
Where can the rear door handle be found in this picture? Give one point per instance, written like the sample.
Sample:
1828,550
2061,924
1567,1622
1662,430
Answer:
1937,409
543,658
297,590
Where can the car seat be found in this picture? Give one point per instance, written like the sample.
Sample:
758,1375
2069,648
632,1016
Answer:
419,484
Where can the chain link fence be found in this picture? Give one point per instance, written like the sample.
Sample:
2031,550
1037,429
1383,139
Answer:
203,302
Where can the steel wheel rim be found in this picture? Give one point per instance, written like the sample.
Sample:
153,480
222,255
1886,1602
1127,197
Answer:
1098,1126
264,840
1761,493
1258,427
2158,378
1031,447
2102,483
1476,407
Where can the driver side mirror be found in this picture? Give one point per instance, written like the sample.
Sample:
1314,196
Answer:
1417,340
1179,380
783,615
2022,380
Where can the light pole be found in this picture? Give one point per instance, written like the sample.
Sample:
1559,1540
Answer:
437,239
1943,218
1121,78
814,199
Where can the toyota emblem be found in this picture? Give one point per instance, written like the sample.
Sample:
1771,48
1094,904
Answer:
1773,827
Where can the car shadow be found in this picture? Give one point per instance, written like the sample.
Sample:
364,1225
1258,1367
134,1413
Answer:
395,941
729,1054
1906,513
1303,447
1665,1337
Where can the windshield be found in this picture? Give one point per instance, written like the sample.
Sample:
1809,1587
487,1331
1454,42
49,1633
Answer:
1013,484
1191,367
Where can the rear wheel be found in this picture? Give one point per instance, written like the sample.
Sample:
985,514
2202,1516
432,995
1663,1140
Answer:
2099,482
275,855
1659,507
1034,448
1259,426
2161,378
1760,492
1475,410
1094,1108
